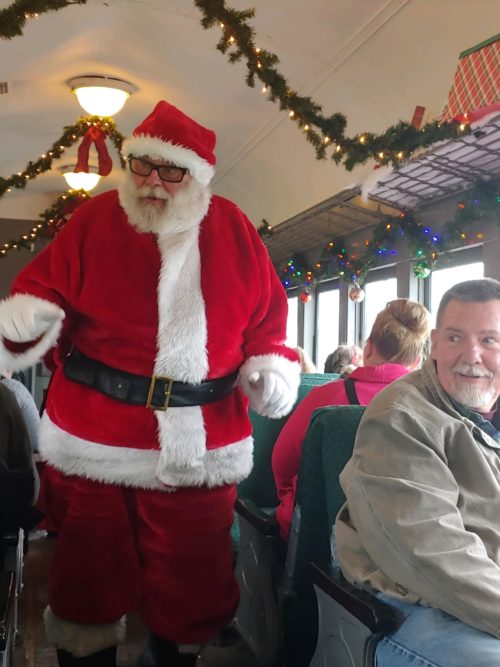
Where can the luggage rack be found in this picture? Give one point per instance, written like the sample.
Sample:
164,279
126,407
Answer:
444,169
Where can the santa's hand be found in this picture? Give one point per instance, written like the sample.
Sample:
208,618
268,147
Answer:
28,321
269,393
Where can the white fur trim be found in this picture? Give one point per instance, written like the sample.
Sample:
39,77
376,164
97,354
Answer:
230,464
137,468
182,354
102,463
82,640
143,144
14,306
182,326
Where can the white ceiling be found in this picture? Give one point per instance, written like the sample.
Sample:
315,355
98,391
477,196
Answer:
373,60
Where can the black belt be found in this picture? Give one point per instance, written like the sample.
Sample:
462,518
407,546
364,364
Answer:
156,392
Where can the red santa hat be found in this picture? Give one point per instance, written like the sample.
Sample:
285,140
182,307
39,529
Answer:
168,134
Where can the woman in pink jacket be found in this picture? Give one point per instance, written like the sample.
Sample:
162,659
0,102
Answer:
395,347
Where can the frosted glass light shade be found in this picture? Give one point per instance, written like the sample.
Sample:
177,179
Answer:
81,180
101,95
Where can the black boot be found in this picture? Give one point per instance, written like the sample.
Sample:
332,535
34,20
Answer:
105,658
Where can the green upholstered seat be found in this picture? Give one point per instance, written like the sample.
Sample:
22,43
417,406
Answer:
327,448
260,560
259,487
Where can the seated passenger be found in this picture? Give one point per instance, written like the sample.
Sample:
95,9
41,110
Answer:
343,358
18,477
421,522
306,363
27,405
394,347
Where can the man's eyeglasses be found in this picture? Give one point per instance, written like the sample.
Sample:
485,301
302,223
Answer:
167,172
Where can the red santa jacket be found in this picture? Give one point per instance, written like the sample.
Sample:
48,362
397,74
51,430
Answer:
193,306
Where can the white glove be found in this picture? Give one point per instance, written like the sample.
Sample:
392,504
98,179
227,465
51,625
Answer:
29,323
269,393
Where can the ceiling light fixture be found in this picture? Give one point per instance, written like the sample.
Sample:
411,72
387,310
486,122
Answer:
101,95
81,180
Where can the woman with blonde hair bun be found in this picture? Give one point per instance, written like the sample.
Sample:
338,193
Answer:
400,333
396,345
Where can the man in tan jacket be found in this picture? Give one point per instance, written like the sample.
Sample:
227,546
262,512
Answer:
422,520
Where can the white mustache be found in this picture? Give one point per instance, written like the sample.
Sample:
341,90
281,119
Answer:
472,371
152,191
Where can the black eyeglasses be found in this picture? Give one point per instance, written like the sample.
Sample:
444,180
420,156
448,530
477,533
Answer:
167,172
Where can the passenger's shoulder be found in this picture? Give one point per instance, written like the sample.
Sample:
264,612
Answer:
406,389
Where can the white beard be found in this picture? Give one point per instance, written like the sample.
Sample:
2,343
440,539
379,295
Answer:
473,396
184,210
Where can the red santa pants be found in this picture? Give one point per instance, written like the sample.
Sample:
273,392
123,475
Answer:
168,555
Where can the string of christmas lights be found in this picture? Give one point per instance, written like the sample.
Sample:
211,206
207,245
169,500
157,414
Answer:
70,135
394,146
52,220
14,17
425,245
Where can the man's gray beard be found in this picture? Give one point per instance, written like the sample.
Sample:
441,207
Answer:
473,397
183,210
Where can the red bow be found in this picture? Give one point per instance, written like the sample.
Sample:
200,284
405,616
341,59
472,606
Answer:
94,135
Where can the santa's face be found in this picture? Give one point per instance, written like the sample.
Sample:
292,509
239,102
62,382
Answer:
156,205
152,187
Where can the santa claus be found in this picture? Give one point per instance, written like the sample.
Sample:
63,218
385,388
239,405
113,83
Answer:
164,317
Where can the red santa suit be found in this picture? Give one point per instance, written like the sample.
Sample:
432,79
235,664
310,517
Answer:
143,498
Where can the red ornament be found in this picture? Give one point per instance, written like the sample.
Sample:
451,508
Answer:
356,293
305,296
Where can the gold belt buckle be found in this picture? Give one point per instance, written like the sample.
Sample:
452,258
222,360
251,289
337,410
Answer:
167,393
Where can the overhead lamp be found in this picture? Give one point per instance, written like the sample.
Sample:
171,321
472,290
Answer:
101,95
81,180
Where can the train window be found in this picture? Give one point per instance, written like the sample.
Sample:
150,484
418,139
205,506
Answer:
377,294
327,326
442,279
292,322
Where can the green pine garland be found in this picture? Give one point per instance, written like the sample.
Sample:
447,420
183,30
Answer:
52,215
425,245
70,135
394,146
14,17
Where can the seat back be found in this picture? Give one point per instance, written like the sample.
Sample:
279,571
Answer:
336,452
259,487
260,562
332,430
327,448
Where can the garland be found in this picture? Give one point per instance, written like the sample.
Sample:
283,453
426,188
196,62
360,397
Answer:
425,245
13,17
394,146
70,135
52,220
